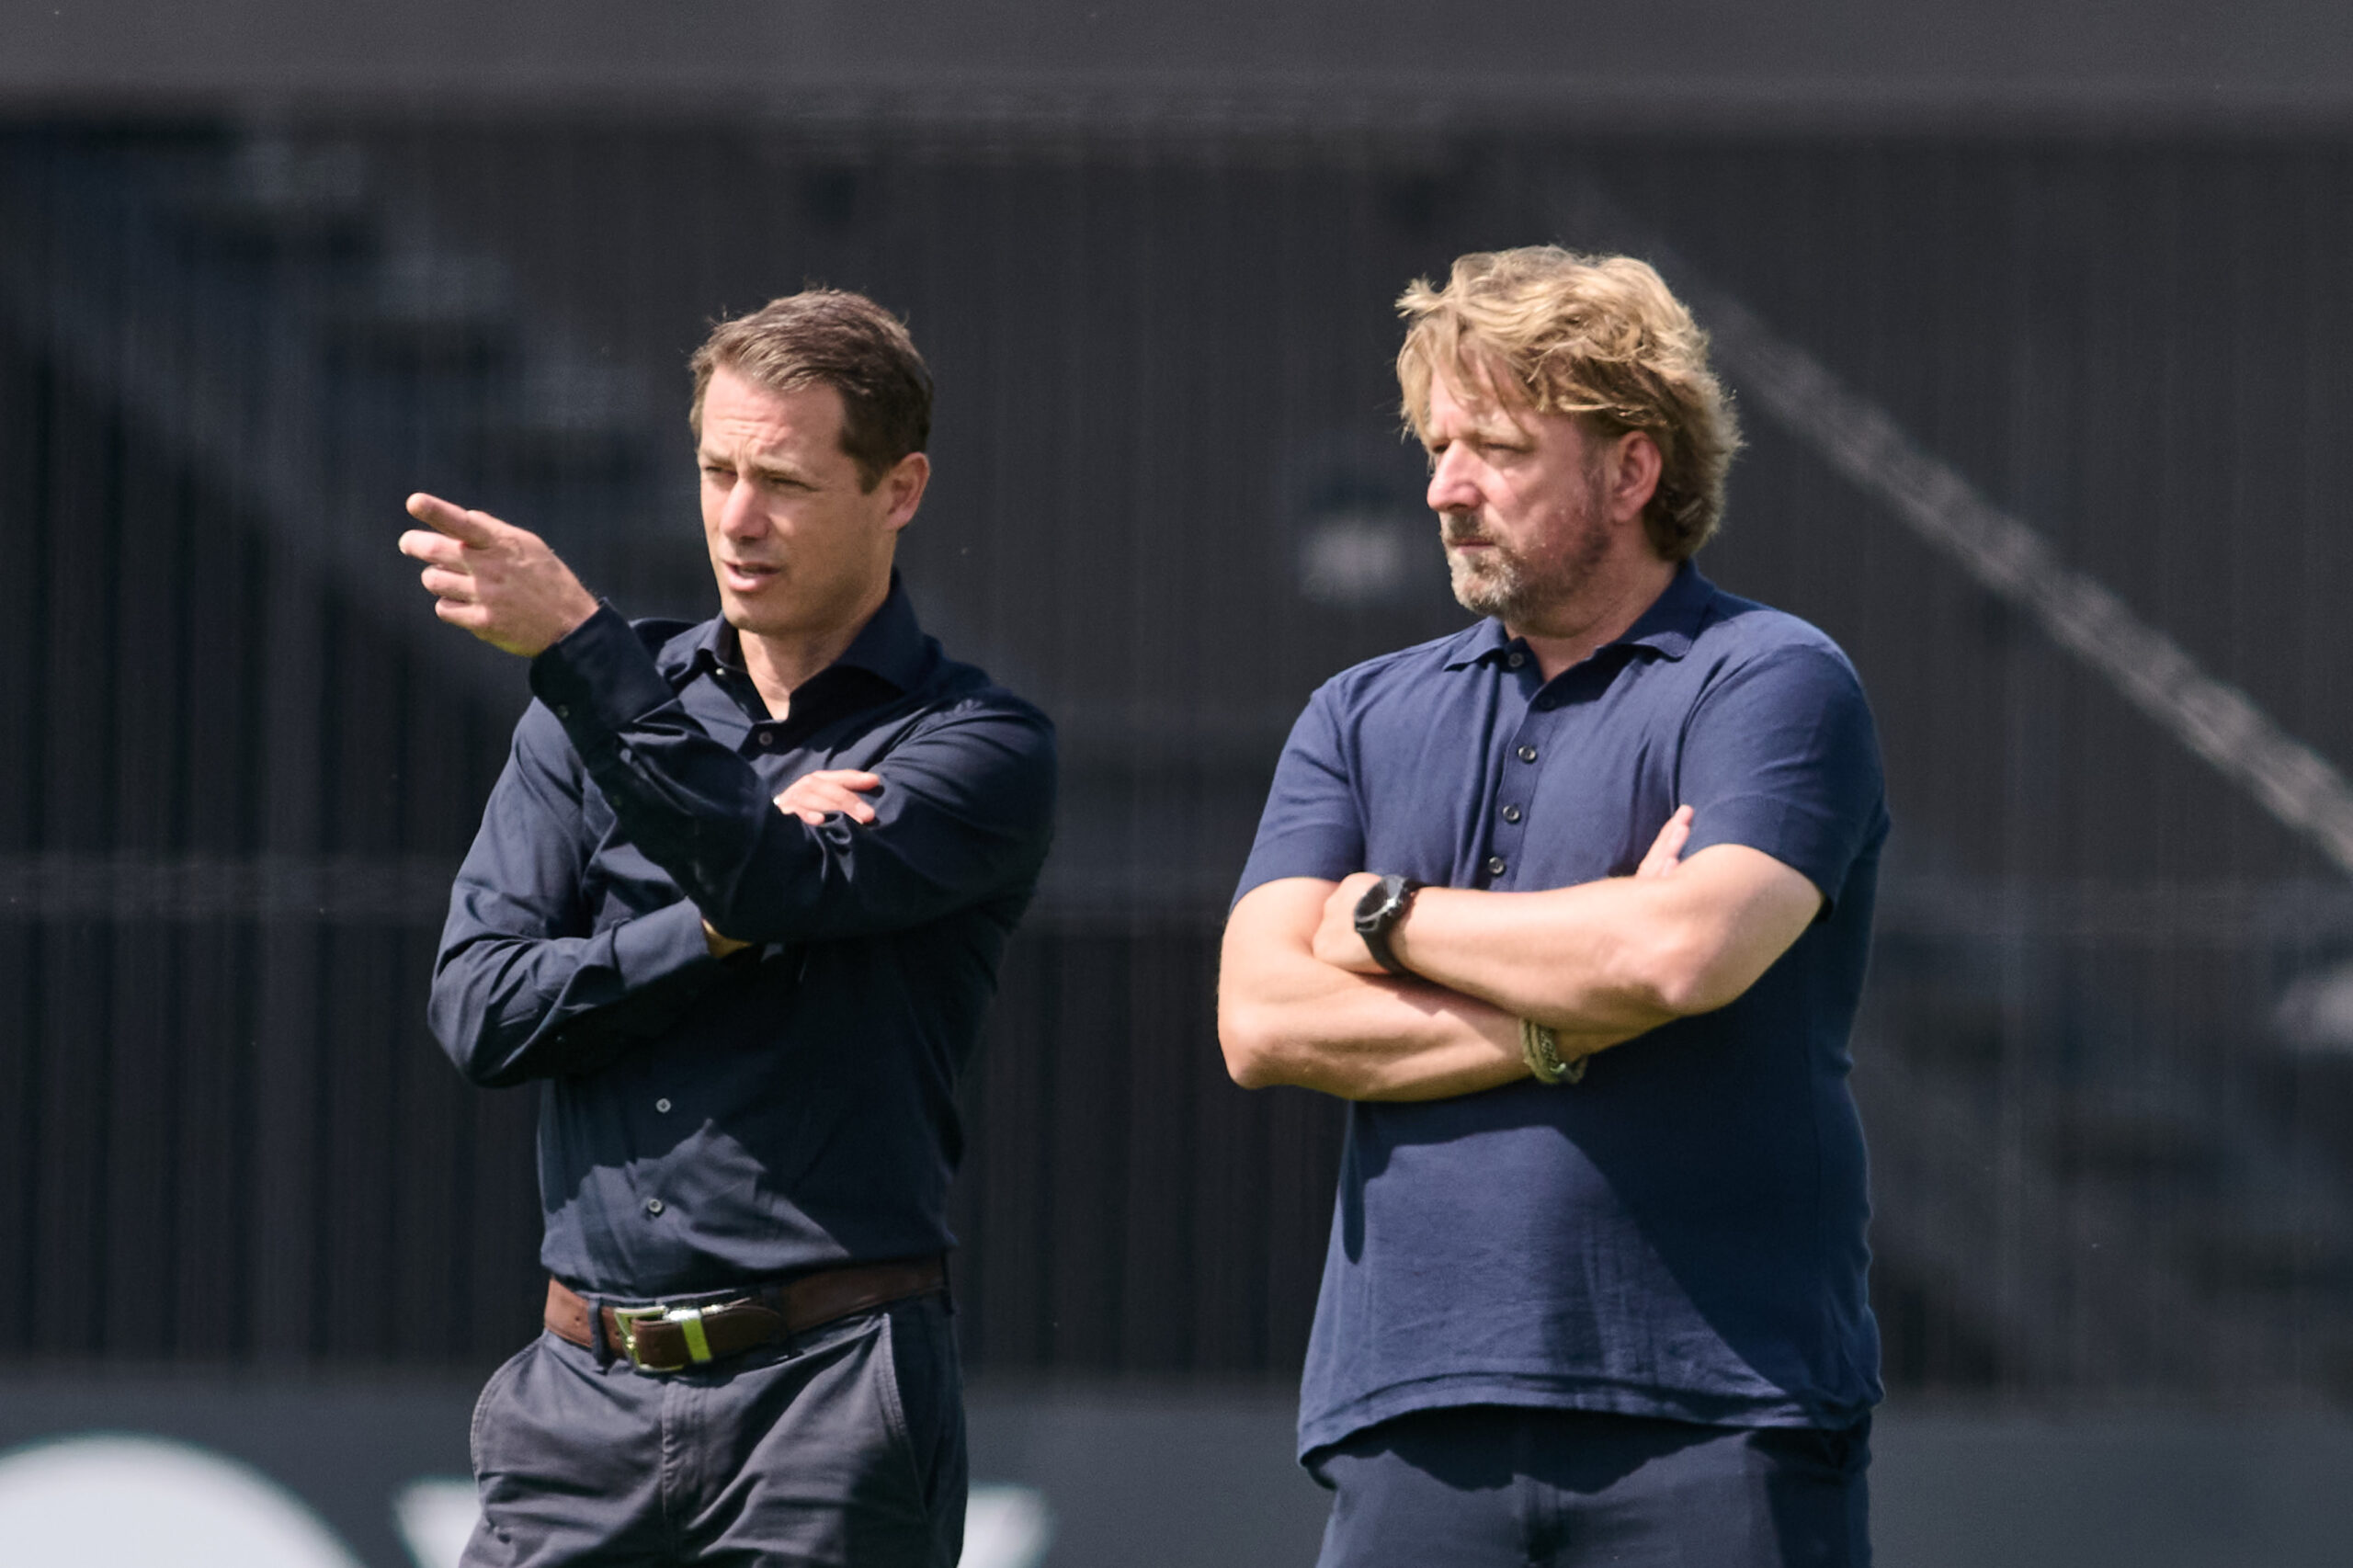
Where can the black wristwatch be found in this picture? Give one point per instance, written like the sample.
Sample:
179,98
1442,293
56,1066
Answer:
1383,904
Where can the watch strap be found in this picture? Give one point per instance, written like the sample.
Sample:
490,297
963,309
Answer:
1378,913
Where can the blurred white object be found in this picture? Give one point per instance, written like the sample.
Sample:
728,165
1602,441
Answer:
2315,1013
114,1502
1006,1527
1354,559
435,1517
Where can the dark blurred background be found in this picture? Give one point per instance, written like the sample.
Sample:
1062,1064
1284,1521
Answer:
261,278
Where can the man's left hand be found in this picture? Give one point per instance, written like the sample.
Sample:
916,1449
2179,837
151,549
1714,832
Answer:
1336,942
499,582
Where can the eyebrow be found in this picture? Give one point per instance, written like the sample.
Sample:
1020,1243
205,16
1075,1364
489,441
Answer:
1490,429
761,468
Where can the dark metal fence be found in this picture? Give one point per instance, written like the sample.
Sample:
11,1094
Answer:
2106,1057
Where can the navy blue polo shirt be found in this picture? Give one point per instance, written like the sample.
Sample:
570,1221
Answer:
1681,1234
706,1123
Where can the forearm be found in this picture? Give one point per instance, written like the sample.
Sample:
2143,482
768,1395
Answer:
508,1008
1574,958
962,812
1285,1017
1619,955
1362,1039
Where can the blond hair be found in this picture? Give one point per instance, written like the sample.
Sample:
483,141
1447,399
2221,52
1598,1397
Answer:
1596,336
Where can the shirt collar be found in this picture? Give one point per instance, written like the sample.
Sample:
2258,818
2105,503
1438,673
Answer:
1669,626
890,644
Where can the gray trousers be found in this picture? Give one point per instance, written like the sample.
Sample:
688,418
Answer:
842,1446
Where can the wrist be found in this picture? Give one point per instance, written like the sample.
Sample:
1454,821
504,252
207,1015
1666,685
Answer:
1540,1048
1378,914
721,946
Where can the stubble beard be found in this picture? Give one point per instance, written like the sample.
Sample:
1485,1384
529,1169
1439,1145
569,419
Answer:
1495,585
1506,584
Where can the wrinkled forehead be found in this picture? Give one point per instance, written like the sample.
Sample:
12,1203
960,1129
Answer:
1475,397
740,414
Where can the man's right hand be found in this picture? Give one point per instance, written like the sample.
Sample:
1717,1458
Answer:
814,797
1666,849
499,582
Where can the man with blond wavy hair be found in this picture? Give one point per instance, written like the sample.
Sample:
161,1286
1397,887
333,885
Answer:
1574,907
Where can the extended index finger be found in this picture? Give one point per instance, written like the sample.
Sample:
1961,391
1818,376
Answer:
472,528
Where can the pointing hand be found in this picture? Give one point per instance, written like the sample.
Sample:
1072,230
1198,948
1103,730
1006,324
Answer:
499,582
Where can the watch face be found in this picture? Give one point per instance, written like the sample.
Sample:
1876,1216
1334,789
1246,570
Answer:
1375,902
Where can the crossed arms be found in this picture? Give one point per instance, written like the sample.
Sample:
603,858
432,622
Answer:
1301,1002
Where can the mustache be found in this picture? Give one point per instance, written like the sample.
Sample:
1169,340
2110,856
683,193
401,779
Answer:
1460,530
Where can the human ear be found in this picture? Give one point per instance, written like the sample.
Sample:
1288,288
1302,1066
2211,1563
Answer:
1638,466
904,486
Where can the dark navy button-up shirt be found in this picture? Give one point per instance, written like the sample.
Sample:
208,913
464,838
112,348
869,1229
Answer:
1681,1234
705,1123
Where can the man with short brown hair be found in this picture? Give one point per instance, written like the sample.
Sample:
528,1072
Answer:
1573,907
736,905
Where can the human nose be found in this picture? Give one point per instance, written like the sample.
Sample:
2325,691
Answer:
739,514
1451,489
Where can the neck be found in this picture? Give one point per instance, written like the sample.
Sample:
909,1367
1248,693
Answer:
1601,612
780,663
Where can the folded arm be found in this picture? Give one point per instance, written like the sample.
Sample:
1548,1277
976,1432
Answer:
963,808
1622,955
524,986
1287,1017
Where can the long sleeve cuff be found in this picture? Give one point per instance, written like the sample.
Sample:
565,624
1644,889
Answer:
655,947
599,679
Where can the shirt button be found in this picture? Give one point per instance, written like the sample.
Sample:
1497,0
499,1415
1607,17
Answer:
1527,754
662,1106
1543,704
766,738
1511,813
1495,865
653,1206
1517,660
563,709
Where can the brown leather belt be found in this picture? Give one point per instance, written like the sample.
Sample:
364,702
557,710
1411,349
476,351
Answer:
662,1338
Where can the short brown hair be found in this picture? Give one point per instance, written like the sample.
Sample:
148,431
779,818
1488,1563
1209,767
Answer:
831,337
1598,336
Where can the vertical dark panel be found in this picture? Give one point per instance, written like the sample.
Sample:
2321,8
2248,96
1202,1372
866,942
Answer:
1084,1149
1003,1267
24,402
78,561
1167,1064
143,1045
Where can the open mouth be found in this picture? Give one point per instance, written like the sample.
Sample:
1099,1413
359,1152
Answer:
746,576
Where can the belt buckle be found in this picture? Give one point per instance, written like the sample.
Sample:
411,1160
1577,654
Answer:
689,1322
